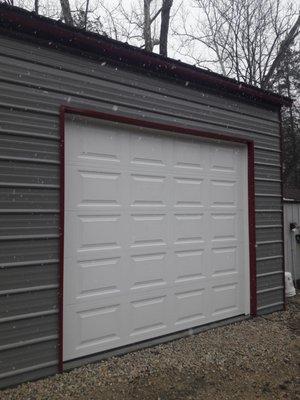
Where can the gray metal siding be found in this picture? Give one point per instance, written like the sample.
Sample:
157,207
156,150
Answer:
34,81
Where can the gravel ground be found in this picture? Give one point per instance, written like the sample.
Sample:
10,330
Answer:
254,359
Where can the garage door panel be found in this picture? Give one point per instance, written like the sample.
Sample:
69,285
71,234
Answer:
189,155
224,261
94,278
149,270
225,300
223,193
99,232
188,228
148,190
148,151
93,327
90,235
224,226
224,158
189,265
87,195
148,230
191,306
148,315
189,191
93,148
155,235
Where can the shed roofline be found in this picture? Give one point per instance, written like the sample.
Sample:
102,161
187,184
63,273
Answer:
17,20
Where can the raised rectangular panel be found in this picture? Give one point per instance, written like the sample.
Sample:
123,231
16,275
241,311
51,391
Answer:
224,260
148,230
93,148
189,265
223,193
147,150
188,192
148,190
99,277
99,232
223,158
88,194
99,326
224,299
148,270
148,315
190,307
223,227
189,155
188,228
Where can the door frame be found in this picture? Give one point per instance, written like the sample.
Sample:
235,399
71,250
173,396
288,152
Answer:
64,110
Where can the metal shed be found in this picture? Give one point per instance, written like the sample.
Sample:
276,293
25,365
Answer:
141,198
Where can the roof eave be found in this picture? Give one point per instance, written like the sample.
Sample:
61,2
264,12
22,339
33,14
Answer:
15,19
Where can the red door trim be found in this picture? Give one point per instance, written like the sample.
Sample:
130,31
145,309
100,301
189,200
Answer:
169,128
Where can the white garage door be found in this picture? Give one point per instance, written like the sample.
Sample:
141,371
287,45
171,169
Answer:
155,234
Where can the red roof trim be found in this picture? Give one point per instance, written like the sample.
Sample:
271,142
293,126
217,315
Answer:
14,19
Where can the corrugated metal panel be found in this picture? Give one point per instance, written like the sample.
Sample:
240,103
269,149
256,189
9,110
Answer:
19,357
28,199
30,300
31,274
268,217
268,232
88,69
269,264
28,329
34,82
269,298
270,248
158,110
35,371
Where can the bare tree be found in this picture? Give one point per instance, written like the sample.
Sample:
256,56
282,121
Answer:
66,11
283,49
86,13
150,17
145,23
147,26
243,38
164,26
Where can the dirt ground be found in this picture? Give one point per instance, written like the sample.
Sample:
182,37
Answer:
254,359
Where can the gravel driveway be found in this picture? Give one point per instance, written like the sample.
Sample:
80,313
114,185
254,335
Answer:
254,359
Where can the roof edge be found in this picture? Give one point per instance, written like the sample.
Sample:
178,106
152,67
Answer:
14,19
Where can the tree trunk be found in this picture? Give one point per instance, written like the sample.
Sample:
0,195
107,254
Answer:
164,27
36,6
86,13
285,45
147,25
66,10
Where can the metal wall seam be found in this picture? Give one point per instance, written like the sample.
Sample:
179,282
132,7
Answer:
28,342
29,315
28,369
28,289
